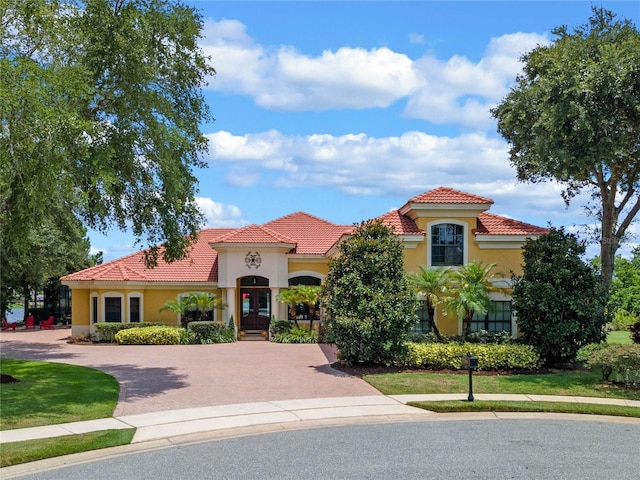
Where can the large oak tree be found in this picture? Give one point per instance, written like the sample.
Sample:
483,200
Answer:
574,116
101,105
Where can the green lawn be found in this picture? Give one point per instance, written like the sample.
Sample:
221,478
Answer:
50,393
582,384
552,407
32,450
619,336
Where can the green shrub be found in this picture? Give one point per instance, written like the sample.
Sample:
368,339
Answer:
107,331
212,332
623,360
277,327
440,356
623,320
296,335
484,337
154,335
187,337
585,352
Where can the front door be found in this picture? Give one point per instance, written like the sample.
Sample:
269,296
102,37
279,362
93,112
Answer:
256,308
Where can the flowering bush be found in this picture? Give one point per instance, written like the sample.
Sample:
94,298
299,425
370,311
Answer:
624,360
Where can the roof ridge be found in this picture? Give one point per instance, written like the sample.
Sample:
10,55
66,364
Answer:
425,197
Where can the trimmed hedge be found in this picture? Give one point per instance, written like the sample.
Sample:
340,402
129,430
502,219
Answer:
448,356
154,335
107,331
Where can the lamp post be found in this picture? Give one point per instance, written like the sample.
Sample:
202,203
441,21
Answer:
471,363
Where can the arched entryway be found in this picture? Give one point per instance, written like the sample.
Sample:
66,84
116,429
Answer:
255,303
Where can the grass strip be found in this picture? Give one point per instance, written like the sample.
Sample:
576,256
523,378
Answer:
32,450
451,406
51,393
579,384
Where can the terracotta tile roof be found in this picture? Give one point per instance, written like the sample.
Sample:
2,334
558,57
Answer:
401,224
200,266
254,234
491,224
449,195
313,235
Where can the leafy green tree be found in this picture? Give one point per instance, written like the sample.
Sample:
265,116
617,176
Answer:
625,289
574,117
307,295
290,298
559,298
432,283
367,297
101,104
470,287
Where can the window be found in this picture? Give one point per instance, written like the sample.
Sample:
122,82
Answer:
302,310
423,325
447,245
112,309
134,309
497,319
94,308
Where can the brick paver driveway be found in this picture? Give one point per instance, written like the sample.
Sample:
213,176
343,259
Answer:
157,378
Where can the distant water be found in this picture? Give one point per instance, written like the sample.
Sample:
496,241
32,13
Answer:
15,315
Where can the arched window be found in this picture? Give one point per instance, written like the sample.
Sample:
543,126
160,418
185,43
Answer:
447,244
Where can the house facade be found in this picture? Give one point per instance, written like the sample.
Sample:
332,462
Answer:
247,267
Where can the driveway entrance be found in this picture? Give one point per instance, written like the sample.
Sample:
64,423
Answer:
170,377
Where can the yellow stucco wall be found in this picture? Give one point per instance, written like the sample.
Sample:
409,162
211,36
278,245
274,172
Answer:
80,307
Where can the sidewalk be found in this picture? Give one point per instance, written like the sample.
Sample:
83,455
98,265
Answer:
278,414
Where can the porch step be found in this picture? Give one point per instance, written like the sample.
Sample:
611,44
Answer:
253,337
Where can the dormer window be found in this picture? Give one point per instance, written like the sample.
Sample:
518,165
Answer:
447,245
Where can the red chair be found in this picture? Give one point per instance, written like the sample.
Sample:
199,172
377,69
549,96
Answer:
30,322
48,323
7,326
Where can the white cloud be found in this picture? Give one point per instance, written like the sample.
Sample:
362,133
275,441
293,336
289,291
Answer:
219,215
462,92
455,90
283,78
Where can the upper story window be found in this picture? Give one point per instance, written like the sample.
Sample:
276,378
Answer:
447,245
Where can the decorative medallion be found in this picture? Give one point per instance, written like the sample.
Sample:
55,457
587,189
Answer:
253,260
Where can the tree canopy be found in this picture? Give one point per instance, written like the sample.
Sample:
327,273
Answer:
101,105
574,116
367,297
559,298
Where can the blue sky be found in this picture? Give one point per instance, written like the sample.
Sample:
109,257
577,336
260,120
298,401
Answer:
346,110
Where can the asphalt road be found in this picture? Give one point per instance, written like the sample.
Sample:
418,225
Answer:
494,449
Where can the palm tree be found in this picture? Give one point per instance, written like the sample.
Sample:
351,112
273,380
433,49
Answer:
308,295
180,307
471,285
203,303
432,283
289,297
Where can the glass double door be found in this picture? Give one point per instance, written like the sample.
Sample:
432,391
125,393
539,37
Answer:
256,308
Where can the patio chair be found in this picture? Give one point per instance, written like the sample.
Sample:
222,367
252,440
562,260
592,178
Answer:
48,323
8,326
30,322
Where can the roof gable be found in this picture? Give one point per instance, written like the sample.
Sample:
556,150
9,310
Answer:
314,236
253,234
445,195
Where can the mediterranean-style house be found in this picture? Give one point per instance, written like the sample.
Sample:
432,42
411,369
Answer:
247,267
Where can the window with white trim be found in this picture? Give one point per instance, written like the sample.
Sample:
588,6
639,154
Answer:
135,307
447,245
112,307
